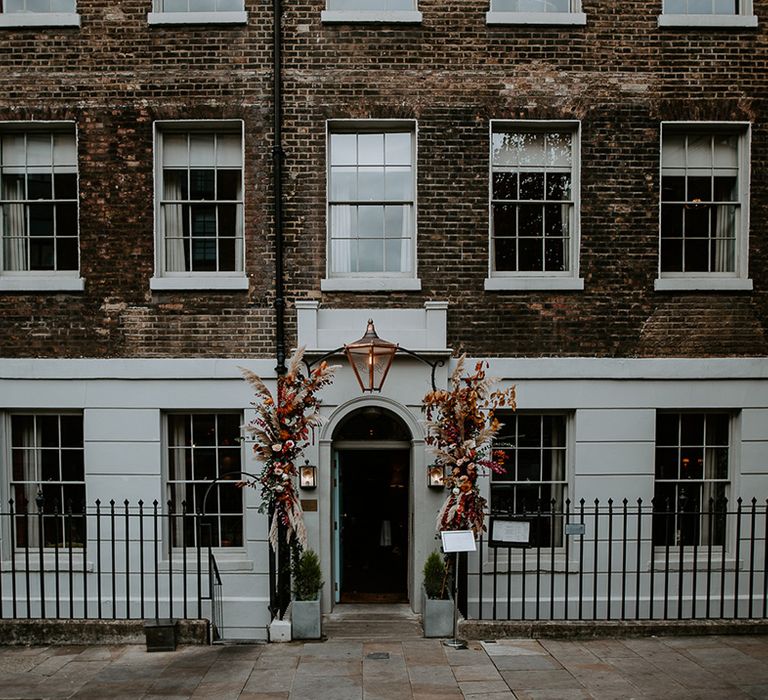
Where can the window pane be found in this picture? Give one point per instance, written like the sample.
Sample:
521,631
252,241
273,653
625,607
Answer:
717,429
504,185
398,184
39,186
228,184
667,463
505,254
397,148
229,152
370,183
202,150
344,183
201,184
532,186
370,149
667,429
343,149
370,256
370,221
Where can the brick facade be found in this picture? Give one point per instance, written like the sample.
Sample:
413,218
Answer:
621,75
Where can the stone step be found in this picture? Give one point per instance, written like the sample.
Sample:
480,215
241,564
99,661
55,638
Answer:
373,629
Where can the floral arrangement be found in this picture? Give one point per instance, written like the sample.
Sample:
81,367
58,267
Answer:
281,430
461,424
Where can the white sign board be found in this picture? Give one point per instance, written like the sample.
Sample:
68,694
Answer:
458,541
511,531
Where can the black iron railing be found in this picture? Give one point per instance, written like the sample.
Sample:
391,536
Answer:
593,561
110,561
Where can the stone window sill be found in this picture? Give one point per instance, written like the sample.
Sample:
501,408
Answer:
712,284
495,284
42,284
203,282
197,18
564,18
715,21
370,284
39,19
379,17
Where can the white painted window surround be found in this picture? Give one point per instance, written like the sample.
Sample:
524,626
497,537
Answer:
373,16
39,19
565,12
704,167
371,206
199,227
39,218
707,13
534,174
557,18
160,18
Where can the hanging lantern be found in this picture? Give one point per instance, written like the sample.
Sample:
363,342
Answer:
370,358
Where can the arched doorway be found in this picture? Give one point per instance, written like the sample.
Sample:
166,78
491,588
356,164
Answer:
372,457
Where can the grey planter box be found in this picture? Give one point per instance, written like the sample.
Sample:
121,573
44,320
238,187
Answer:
305,619
437,617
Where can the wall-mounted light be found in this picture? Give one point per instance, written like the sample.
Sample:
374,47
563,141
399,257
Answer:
308,475
435,476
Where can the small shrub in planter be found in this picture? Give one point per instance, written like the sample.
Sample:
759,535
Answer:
437,615
305,608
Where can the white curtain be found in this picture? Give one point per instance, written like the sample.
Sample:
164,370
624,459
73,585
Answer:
173,221
239,238
177,437
558,475
13,228
724,228
341,233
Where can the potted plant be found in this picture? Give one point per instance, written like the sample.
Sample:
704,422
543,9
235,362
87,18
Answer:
437,611
305,607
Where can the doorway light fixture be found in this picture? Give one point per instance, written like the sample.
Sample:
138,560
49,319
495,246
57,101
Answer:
371,357
435,476
308,476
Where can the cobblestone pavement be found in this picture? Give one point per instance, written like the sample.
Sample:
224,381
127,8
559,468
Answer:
663,667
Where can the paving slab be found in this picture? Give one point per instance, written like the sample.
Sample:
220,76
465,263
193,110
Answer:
722,667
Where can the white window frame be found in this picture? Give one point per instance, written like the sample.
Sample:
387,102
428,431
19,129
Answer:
162,279
378,16
40,19
45,280
233,553
6,435
371,281
731,485
160,17
745,18
737,280
543,280
573,17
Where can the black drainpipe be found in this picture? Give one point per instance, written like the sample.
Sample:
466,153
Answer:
279,562
277,157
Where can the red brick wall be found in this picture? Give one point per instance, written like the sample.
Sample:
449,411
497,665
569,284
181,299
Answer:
621,75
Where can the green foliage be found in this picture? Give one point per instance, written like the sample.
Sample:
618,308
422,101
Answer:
435,577
307,577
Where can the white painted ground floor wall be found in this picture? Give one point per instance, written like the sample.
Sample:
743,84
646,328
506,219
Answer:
611,407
